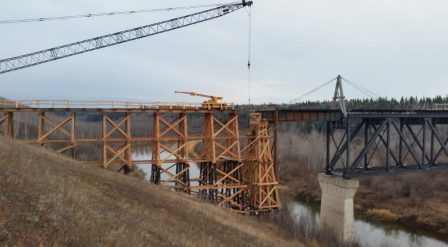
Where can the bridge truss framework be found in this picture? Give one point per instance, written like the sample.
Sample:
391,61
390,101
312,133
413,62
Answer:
379,143
375,142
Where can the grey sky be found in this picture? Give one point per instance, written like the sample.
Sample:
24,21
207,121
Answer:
392,47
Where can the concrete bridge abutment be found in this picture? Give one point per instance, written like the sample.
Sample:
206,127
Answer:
336,210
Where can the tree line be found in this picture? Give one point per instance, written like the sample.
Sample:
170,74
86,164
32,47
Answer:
403,103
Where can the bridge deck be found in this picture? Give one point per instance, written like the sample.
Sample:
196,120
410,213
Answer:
108,106
120,110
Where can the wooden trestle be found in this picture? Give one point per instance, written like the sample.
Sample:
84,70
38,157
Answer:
7,119
203,159
260,167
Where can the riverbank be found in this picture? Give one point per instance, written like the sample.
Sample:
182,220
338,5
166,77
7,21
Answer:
366,232
377,201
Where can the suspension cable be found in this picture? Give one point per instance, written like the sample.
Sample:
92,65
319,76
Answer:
298,99
127,12
362,89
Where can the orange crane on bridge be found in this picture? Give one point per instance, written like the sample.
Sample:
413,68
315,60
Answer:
214,102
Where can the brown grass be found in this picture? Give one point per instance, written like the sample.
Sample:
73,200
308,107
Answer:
382,214
50,200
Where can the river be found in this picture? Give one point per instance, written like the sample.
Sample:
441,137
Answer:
140,155
369,233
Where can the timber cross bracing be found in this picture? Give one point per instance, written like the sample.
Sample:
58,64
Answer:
116,141
197,151
7,119
260,167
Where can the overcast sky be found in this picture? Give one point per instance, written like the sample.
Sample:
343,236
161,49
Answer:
392,47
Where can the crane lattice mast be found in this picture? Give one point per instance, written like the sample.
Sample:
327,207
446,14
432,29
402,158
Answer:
44,56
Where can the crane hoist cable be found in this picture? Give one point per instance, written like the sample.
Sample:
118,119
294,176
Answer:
249,56
115,13
76,48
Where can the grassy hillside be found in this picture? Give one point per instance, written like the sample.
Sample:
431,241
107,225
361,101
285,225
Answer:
50,200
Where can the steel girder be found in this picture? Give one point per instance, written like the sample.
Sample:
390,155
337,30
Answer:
367,145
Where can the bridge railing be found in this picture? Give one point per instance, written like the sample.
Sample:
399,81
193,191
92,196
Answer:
100,104
439,106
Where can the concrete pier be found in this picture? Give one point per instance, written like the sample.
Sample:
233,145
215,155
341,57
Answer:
336,210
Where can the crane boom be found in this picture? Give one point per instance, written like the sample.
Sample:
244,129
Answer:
44,56
212,103
200,95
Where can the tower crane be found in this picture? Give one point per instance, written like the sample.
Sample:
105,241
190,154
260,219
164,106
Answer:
63,51
214,102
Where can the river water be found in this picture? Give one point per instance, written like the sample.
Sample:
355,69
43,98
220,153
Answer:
369,233
146,168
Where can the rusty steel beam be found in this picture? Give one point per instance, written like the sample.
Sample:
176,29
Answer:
290,115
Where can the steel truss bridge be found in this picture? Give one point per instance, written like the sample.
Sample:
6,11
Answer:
376,142
190,148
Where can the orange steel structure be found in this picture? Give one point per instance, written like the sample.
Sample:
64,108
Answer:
193,150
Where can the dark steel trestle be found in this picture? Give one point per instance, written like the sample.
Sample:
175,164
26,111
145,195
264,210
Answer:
379,143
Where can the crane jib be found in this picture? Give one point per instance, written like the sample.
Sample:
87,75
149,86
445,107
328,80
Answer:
52,54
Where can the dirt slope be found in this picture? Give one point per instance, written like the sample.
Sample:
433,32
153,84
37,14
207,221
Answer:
50,200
